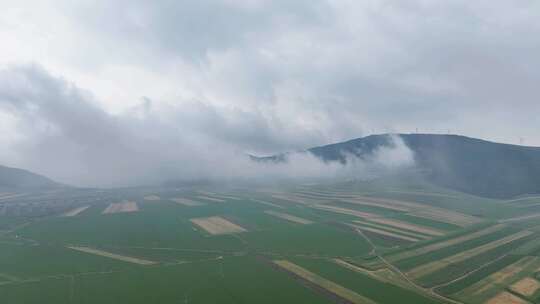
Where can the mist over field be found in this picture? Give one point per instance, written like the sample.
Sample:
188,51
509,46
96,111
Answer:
62,132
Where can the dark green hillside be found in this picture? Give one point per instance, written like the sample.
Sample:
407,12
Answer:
12,178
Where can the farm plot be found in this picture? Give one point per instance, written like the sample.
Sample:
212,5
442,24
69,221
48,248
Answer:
267,203
394,230
216,225
113,255
443,244
490,286
526,287
288,217
126,206
326,285
447,216
344,211
407,226
362,202
382,287
75,211
434,266
385,233
506,298
186,202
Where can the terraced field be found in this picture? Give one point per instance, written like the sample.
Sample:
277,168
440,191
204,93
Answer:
346,243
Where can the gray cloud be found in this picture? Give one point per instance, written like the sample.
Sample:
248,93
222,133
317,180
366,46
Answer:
262,76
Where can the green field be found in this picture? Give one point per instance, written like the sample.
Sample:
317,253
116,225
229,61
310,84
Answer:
191,264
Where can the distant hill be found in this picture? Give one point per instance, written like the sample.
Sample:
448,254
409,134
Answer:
460,163
13,178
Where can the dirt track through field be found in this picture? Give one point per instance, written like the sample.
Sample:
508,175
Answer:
113,255
75,211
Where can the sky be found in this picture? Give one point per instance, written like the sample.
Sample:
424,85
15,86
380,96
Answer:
102,92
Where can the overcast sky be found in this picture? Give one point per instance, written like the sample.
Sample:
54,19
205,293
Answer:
95,85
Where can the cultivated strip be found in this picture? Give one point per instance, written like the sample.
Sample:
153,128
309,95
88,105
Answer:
506,298
431,267
186,202
288,217
503,277
323,283
407,226
213,199
267,203
386,233
391,229
75,211
344,211
520,218
125,206
443,244
526,286
112,255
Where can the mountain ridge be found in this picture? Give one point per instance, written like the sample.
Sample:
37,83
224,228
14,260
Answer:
462,163
15,178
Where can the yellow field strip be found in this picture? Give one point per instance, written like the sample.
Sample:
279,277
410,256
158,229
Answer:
428,268
288,217
75,211
217,225
444,244
500,279
344,211
407,226
385,233
321,282
447,216
400,231
112,255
